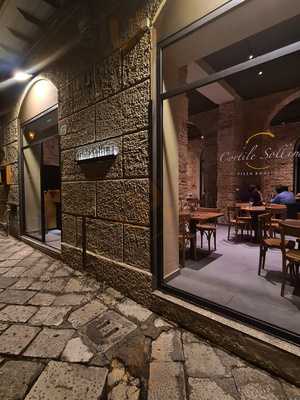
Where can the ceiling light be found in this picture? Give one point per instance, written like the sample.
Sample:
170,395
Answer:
201,137
22,76
251,56
260,73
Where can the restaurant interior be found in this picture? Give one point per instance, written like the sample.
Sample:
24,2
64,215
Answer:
231,167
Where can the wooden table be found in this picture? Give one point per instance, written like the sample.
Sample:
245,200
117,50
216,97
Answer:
254,211
201,216
294,223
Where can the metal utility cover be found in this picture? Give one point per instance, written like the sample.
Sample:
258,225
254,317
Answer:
108,330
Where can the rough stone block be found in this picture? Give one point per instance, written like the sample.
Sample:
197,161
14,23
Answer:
137,201
123,113
78,129
9,154
110,195
79,198
136,62
103,169
72,256
13,195
108,76
69,229
83,383
137,246
105,238
10,132
136,155
49,343
16,377
78,94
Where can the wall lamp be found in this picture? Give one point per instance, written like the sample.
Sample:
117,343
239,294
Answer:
22,76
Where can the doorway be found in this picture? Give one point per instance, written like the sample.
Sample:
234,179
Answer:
41,179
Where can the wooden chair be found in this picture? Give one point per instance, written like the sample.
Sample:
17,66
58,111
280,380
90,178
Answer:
277,216
290,256
193,203
239,222
185,237
208,229
267,241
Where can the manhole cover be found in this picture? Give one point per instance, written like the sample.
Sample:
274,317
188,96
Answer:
108,330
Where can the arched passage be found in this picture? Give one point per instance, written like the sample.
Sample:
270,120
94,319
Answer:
40,163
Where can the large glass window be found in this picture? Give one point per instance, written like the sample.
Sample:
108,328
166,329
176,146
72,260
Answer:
230,129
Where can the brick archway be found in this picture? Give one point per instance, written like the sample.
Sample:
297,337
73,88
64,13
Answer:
278,107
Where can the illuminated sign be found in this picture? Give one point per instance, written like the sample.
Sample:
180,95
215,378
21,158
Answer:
98,151
258,153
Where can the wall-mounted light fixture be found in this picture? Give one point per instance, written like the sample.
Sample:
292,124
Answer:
22,76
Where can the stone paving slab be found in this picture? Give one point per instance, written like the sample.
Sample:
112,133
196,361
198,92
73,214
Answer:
252,383
22,283
42,299
70,299
49,343
16,377
16,338
14,313
6,282
134,310
166,381
15,272
50,316
77,351
12,296
3,326
208,389
63,381
60,319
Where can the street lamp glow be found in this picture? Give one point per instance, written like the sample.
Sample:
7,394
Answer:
22,76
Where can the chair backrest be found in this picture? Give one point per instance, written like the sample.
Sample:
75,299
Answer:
264,224
279,213
232,212
288,229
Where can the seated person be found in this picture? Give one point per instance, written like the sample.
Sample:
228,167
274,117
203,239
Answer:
254,196
283,196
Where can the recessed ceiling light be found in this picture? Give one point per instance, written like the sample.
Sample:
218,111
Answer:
22,76
201,137
251,56
260,73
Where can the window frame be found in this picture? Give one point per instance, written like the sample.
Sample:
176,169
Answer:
157,165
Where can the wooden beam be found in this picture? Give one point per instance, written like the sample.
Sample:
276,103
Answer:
20,35
9,49
30,18
52,3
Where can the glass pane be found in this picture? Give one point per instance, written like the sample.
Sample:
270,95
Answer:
32,191
254,28
226,162
42,128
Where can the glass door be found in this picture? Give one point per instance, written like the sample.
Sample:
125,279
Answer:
33,194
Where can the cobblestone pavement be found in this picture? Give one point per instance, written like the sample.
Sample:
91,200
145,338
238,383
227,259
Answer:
66,337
